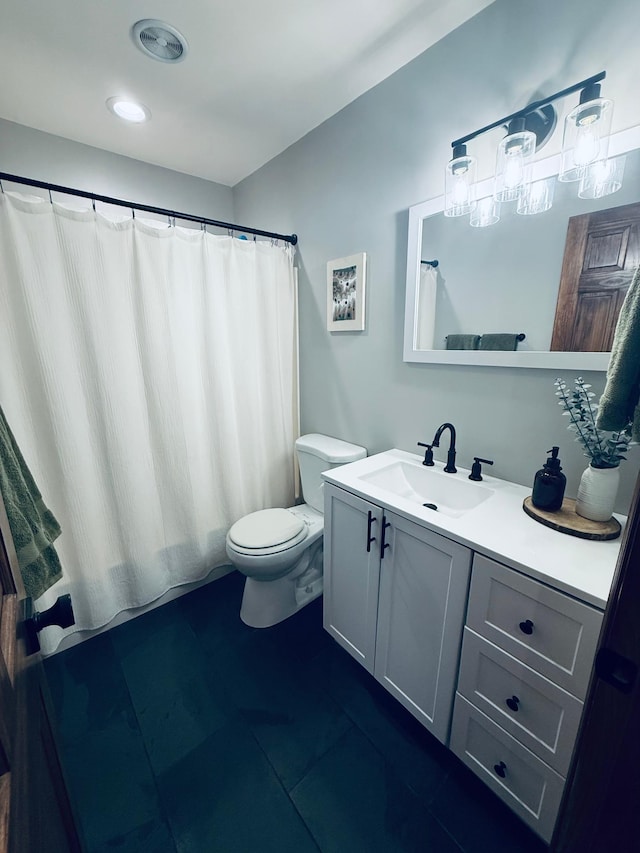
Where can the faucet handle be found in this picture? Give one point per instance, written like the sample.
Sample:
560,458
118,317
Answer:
428,454
476,468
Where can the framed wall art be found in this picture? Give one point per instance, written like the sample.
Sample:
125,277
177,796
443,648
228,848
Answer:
345,293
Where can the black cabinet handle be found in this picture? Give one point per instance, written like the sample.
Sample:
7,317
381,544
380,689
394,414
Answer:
513,703
383,544
370,519
527,626
501,769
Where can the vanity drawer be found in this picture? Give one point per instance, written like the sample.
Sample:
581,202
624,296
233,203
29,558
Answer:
550,631
541,715
526,784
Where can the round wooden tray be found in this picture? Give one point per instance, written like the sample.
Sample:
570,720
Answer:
566,520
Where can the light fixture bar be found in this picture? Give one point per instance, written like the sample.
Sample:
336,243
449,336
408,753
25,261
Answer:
530,108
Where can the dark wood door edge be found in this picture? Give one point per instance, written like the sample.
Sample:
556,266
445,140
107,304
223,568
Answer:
599,809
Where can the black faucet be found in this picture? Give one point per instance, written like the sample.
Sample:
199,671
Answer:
450,467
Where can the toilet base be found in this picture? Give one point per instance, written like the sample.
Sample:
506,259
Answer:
265,603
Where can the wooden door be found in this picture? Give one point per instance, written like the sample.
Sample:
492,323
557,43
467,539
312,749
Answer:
34,808
599,810
424,581
601,254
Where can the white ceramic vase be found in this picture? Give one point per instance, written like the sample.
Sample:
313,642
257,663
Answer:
597,493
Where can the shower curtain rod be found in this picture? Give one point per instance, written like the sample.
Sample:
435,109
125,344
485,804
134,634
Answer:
147,208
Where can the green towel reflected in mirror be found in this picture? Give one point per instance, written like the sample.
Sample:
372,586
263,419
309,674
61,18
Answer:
463,341
506,342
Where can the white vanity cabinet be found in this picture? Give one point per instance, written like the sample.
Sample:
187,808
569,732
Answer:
496,668
526,659
395,598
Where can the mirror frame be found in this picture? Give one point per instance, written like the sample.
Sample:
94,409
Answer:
619,143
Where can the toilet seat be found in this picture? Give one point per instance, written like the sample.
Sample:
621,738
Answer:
267,531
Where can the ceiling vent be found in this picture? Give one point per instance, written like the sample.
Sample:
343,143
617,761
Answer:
159,40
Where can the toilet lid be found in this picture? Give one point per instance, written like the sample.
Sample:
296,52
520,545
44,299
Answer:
265,528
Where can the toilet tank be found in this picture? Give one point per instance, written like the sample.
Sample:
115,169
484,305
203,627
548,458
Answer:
318,453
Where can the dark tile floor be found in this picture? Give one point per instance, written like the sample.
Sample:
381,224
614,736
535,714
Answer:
184,730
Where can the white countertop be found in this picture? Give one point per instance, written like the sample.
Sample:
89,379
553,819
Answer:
499,528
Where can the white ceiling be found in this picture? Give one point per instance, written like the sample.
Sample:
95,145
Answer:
258,75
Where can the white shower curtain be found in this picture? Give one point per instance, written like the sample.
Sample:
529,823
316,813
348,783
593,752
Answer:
149,376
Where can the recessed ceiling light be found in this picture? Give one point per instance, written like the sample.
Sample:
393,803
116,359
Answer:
128,110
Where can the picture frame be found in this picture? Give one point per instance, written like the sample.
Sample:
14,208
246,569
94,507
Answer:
346,293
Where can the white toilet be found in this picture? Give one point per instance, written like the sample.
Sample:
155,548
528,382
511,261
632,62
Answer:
280,550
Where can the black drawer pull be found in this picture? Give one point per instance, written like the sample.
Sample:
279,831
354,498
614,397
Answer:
383,544
527,626
501,769
370,519
513,703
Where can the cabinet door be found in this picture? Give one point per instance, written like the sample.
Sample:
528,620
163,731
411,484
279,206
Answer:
424,580
351,572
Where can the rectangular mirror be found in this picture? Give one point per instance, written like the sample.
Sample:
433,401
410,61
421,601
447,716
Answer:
506,278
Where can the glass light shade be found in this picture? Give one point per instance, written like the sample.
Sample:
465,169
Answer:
586,137
485,213
537,197
460,186
513,165
602,178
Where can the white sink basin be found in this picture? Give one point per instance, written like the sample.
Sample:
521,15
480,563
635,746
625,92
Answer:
452,494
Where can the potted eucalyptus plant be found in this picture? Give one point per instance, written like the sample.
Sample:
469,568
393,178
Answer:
605,450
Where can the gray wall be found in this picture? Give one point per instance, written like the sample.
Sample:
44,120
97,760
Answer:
33,154
346,187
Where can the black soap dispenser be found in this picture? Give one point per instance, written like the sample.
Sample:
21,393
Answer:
549,484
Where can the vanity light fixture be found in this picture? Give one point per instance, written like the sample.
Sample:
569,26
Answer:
584,156
485,213
602,178
128,110
537,197
460,183
586,133
513,161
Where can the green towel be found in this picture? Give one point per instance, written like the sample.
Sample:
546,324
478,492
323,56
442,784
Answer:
619,403
463,341
499,342
33,526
